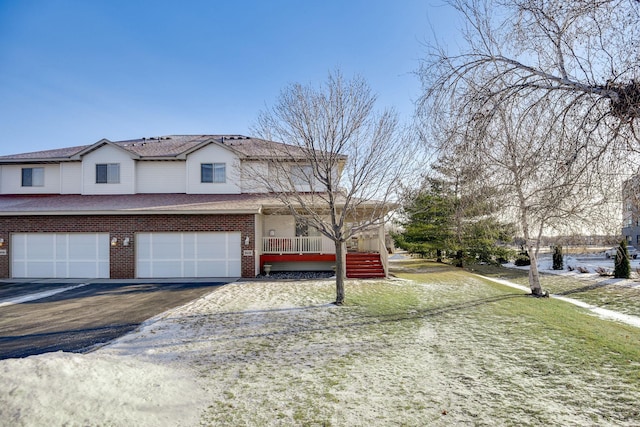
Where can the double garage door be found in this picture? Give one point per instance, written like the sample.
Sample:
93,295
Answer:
188,255
60,255
158,255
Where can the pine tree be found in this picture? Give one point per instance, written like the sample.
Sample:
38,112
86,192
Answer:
558,262
622,268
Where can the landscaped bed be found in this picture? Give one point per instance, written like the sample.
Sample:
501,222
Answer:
434,346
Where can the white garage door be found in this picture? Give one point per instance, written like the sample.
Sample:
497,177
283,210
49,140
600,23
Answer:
60,255
188,255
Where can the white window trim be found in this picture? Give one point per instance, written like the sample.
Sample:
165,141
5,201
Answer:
112,173
218,173
37,177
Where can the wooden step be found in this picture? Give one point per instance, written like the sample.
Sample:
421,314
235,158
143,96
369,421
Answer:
364,266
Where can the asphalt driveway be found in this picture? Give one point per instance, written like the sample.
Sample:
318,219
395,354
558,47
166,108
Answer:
82,316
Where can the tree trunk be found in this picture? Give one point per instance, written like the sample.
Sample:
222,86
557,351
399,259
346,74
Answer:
340,273
438,255
534,275
459,262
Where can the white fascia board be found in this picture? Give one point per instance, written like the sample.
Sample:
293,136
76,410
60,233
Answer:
97,145
205,143
131,212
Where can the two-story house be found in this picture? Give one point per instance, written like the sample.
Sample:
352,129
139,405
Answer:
173,206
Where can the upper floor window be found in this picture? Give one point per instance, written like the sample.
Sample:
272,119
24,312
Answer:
108,173
32,177
213,172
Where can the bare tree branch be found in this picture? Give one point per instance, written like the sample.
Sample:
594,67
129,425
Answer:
342,163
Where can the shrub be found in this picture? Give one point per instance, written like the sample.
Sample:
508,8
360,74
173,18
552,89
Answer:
558,262
622,269
522,260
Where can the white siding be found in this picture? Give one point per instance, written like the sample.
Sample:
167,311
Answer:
161,177
108,154
252,172
213,154
71,178
283,225
11,182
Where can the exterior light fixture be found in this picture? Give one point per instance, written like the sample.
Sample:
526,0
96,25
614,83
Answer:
114,241
125,242
246,241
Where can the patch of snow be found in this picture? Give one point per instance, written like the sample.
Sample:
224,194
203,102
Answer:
38,295
96,389
602,312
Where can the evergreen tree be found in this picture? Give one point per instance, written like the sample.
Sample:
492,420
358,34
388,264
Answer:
428,222
558,262
622,269
447,217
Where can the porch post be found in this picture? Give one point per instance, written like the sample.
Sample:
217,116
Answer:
382,249
343,255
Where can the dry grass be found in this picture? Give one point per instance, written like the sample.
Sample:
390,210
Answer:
438,346
613,294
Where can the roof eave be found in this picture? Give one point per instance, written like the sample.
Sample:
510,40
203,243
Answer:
37,161
251,211
99,144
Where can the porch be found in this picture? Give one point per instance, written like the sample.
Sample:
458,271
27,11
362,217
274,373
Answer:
365,256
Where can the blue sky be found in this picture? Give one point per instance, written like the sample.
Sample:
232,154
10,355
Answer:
74,72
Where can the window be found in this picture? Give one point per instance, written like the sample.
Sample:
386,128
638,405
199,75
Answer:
108,173
213,172
303,229
32,177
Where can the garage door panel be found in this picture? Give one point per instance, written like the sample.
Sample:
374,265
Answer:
213,268
39,247
168,269
190,269
40,269
82,246
166,250
204,254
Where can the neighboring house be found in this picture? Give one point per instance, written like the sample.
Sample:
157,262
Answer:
173,206
631,211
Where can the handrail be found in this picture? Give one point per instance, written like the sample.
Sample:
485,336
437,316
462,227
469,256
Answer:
292,245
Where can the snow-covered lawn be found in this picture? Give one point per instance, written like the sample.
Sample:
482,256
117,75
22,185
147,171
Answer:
433,351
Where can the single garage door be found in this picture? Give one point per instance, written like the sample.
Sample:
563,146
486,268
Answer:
60,255
188,255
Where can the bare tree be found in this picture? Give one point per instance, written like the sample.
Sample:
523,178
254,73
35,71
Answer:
341,164
545,96
583,56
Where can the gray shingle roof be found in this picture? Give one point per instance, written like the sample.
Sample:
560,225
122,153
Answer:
132,203
171,146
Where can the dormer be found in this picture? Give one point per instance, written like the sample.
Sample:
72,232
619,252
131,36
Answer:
213,168
107,168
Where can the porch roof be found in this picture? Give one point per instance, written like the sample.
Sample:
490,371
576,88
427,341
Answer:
75,204
136,204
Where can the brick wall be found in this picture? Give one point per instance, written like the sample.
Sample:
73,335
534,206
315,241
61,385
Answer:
122,258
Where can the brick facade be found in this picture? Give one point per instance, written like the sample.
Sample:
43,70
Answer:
122,258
